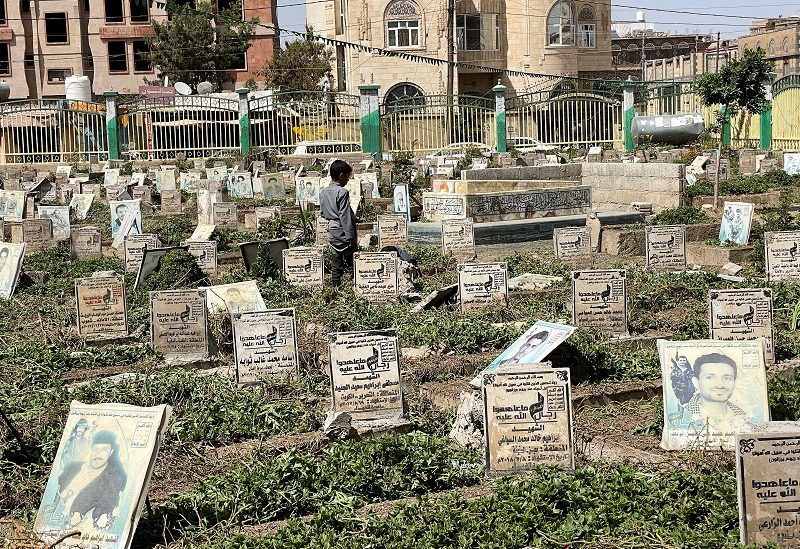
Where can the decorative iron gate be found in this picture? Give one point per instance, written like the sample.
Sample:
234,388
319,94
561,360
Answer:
420,123
199,126
52,131
567,118
280,121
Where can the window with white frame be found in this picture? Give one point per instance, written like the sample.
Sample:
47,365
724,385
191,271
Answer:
561,25
587,28
403,25
476,31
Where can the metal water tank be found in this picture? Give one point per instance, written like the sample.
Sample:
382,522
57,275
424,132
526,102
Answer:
78,88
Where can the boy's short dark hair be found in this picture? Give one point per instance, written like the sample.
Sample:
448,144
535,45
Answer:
339,168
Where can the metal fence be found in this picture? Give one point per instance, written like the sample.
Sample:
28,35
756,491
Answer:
568,118
198,126
282,120
61,131
52,131
423,124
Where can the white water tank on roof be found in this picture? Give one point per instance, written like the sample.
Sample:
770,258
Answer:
78,88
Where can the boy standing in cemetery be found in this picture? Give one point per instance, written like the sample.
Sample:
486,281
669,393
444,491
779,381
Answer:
334,205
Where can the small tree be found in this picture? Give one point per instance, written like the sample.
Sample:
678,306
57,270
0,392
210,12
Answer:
299,66
196,44
738,86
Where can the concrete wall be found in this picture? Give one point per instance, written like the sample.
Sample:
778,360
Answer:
563,172
616,186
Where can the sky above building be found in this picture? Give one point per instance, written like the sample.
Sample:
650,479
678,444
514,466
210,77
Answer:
731,18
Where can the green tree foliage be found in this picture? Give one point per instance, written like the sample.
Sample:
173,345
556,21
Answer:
199,44
299,65
739,85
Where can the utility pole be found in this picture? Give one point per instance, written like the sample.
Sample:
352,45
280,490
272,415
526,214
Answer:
716,63
451,28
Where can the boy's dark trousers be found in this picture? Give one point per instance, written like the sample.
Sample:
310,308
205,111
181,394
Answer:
342,262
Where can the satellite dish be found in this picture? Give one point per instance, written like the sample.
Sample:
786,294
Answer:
183,88
204,88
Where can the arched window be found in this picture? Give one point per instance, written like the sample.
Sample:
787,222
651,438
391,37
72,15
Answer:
561,24
771,47
633,47
587,28
649,47
403,23
683,46
785,45
404,95
616,54
666,47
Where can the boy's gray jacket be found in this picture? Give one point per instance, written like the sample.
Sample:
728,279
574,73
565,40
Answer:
334,205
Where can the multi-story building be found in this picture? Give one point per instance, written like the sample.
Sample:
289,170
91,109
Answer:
687,67
570,38
42,42
631,51
780,39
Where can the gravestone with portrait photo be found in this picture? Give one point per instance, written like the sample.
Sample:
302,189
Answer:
401,201
265,345
238,297
368,184
14,208
100,475
768,488
782,255
102,310
482,284
11,255
307,190
166,180
573,245
59,216
205,253
171,202
304,266
80,204
240,185
179,325
375,276
126,219
272,186
86,243
665,247
135,245
458,238
365,376
713,391
392,231
737,218
532,347
527,419
189,180
600,300
110,177
742,315
225,214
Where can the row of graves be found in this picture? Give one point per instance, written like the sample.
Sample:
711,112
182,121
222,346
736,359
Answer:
714,390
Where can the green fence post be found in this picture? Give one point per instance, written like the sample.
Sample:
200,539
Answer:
628,113
112,125
726,128
369,108
500,117
244,121
765,134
